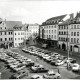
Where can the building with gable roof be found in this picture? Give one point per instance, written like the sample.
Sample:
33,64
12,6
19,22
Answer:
49,30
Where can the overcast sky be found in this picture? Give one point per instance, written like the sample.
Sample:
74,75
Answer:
33,11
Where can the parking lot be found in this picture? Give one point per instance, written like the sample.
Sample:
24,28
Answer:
65,74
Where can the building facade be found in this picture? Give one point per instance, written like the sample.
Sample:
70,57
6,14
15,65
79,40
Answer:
49,30
32,30
64,35
6,35
19,36
69,34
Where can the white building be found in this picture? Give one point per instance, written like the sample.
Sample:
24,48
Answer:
33,29
19,36
49,30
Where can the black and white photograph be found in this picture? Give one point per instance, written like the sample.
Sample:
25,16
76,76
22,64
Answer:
39,39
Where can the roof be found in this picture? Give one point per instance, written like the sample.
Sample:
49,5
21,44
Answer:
65,22
11,24
54,20
57,17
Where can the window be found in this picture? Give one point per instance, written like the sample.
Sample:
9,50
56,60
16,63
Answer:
71,33
59,38
64,33
74,26
77,40
74,33
1,39
15,39
9,33
5,27
1,27
49,31
72,40
55,31
1,33
54,36
18,33
77,33
18,38
52,31
15,33
55,26
77,26
5,39
71,26
9,39
5,33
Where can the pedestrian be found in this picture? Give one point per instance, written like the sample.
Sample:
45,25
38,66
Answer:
58,71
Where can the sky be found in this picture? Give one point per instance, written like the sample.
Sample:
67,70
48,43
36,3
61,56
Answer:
36,11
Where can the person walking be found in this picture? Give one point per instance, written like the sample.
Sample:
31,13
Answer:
58,71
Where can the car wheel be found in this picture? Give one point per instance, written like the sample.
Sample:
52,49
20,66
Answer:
58,77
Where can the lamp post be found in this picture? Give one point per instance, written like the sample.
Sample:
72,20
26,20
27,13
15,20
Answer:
68,47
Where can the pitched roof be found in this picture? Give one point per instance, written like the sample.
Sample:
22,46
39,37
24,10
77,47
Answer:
57,17
54,20
11,24
65,22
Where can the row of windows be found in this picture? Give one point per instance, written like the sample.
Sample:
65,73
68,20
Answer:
22,33
74,40
5,33
62,33
75,26
63,27
1,28
50,36
16,44
52,26
50,31
74,33
19,38
63,39
6,39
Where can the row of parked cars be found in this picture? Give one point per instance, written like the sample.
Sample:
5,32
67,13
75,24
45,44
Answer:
53,58
18,63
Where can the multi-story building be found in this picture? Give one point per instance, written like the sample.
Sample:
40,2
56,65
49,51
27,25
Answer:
49,30
75,34
33,29
6,33
69,34
63,34
19,36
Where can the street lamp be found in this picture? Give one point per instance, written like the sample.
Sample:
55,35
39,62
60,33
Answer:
68,47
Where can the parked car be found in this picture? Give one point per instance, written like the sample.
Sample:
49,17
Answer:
52,75
76,67
36,76
59,62
39,69
19,74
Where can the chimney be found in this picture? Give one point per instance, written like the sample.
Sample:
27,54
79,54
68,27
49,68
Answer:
71,16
